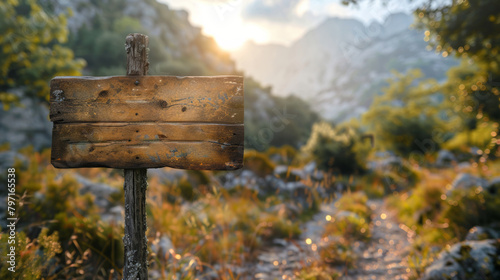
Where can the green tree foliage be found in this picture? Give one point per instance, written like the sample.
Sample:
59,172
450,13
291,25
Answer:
469,30
275,121
340,149
100,40
101,44
406,118
31,50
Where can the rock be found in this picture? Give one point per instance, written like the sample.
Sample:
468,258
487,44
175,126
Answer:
39,196
114,215
100,191
273,184
445,158
289,173
311,170
281,170
474,151
300,194
294,186
26,125
391,163
310,167
280,242
162,246
345,214
9,158
340,187
472,260
167,174
154,274
464,165
465,181
246,179
481,233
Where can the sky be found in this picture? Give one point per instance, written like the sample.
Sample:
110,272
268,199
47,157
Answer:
233,22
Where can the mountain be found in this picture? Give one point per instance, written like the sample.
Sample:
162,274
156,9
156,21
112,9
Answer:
97,31
340,65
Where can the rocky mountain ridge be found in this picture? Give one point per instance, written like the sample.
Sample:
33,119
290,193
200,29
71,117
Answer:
340,65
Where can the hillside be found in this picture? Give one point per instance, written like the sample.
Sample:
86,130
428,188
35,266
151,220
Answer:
97,31
342,63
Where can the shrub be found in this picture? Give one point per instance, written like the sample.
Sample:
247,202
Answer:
283,155
318,272
259,163
340,149
468,208
275,227
356,203
34,258
88,237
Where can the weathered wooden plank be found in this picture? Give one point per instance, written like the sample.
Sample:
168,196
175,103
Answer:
136,180
142,133
147,98
200,155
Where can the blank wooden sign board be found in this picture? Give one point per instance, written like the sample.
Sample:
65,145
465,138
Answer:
147,122
137,122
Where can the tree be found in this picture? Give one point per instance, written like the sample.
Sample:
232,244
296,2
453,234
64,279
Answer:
30,50
407,119
469,30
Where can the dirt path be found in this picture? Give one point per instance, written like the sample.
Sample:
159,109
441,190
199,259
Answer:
281,260
385,256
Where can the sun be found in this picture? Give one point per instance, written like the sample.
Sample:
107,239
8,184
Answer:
229,41
232,37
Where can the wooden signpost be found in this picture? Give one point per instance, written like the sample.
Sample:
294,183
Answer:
136,122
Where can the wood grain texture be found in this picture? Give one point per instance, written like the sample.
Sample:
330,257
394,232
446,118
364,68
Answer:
137,121
136,181
148,145
147,99
135,241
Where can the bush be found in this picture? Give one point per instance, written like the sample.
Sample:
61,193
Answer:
286,154
34,258
356,203
340,149
468,208
259,163
351,224
398,120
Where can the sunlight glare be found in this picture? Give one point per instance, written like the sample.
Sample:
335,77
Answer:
232,37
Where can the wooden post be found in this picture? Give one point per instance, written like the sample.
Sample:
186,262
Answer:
136,122
135,241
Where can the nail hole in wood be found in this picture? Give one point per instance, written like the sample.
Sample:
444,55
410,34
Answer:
184,109
136,157
136,114
103,94
163,103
